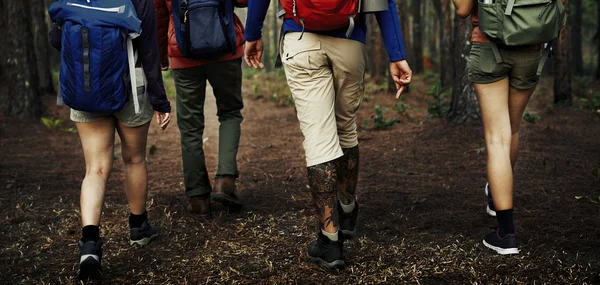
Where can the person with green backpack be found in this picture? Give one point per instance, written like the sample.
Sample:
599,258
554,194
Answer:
511,41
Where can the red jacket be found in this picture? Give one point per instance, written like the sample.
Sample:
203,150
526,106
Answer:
168,43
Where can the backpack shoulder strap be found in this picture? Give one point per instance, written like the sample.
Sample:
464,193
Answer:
131,63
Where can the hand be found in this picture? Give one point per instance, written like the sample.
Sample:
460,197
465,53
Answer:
163,119
253,54
164,66
401,74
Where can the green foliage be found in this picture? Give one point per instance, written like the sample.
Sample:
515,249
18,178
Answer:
594,200
379,122
54,125
376,87
531,117
401,108
430,76
592,103
152,149
440,105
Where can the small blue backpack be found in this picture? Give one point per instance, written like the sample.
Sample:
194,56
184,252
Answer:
97,61
204,29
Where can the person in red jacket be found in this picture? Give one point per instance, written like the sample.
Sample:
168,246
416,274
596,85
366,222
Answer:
225,76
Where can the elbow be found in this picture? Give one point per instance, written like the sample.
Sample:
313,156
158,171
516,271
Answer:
463,13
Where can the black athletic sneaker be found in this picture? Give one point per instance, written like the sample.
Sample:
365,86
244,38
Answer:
348,221
90,260
505,245
143,235
490,205
326,253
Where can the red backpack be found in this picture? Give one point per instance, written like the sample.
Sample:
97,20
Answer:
322,15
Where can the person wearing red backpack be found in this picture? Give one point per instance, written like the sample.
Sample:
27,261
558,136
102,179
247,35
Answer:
191,72
324,56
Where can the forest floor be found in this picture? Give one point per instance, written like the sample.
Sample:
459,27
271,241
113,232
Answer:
420,188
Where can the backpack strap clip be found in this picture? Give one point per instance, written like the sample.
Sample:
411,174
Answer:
546,54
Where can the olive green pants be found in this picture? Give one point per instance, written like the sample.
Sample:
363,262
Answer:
225,77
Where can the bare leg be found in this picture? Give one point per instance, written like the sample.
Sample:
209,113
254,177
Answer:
97,140
493,102
133,146
517,101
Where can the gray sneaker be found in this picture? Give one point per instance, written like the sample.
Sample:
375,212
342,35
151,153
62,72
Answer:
143,235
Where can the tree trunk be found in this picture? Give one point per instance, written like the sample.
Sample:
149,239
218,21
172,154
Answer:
433,35
598,40
378,54
576,50
267,40
42,46
446,47
562,76
417,42
20,95
464,105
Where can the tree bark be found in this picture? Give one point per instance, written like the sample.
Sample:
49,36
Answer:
562,76
576,42
417,37
464,106
42,46
20,95
598,40
446,47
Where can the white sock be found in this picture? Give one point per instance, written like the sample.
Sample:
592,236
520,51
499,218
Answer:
332,237
348,208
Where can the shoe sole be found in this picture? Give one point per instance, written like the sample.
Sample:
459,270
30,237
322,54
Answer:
502,251
334,265
490,211
201,218
144,241
487,207
349,234
90,269
226,200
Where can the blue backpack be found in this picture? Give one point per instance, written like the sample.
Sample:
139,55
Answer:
96,53
204,29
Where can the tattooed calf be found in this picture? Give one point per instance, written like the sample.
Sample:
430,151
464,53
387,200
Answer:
322,179
347,170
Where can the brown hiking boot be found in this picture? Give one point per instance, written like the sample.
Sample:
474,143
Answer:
224,192
199,209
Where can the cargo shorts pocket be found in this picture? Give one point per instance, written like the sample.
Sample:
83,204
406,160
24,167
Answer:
481,59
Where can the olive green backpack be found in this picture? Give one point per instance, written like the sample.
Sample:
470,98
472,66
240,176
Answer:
522,22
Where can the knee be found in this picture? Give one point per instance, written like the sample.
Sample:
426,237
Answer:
99,169
498,142
136,158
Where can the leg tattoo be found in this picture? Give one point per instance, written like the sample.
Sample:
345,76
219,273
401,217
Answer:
347,168
322,179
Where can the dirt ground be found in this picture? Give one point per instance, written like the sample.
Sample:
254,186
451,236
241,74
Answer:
421,194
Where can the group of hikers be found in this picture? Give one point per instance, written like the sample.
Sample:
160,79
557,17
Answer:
113,51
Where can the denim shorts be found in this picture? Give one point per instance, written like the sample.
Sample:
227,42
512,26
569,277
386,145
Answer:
518,64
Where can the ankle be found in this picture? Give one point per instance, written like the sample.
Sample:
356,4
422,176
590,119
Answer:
505,222
331,236
136,221
90,233
348,207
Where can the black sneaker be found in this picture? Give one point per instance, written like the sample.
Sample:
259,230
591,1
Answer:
505,245
490,205
326,253
348,221
143,235
90,260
